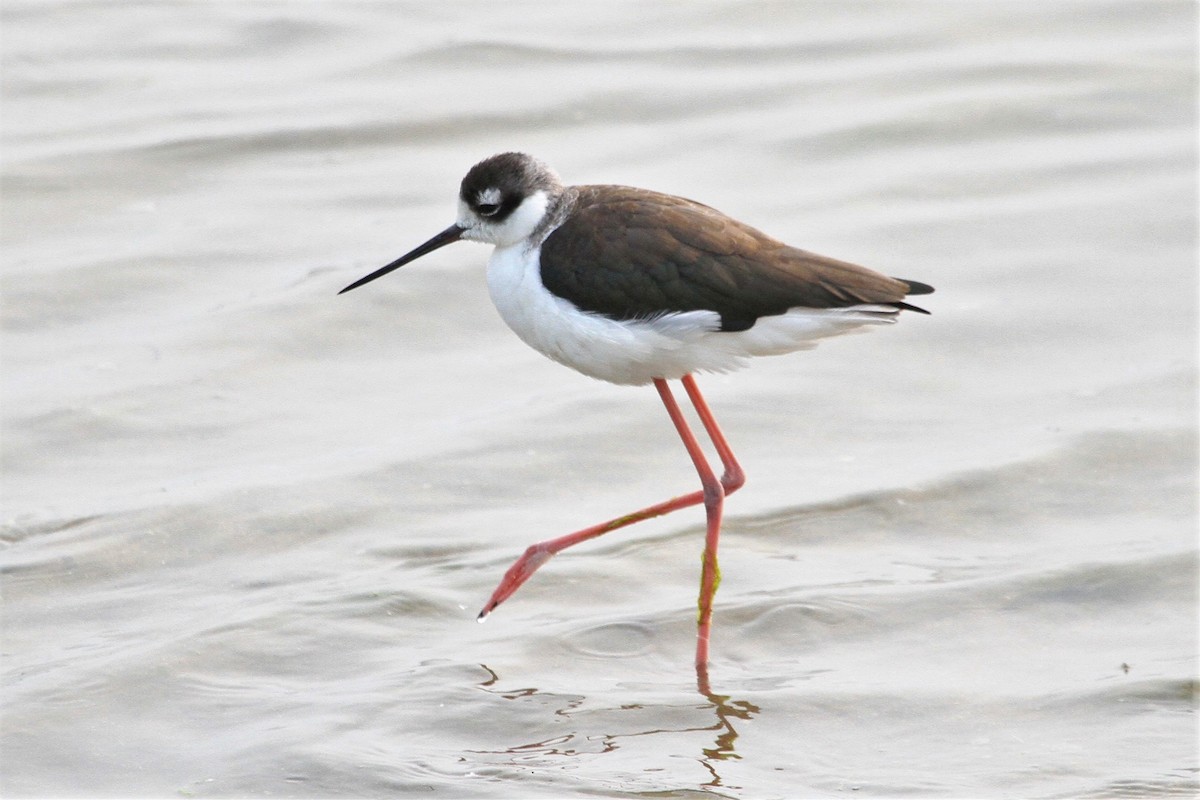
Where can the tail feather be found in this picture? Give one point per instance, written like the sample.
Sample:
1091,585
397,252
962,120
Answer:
914,287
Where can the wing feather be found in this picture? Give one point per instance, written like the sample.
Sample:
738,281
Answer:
632,253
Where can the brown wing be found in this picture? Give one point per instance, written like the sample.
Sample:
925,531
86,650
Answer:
632,253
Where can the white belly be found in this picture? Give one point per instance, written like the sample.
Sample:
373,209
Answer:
638,351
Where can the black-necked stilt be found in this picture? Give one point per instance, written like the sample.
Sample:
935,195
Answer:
634,287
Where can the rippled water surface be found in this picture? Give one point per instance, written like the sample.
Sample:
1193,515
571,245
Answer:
248,523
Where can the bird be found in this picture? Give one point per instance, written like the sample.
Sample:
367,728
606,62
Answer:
637,287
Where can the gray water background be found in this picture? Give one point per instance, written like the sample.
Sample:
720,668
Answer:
247,524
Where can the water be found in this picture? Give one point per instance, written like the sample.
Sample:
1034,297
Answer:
248,524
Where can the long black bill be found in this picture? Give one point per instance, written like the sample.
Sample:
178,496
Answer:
444,238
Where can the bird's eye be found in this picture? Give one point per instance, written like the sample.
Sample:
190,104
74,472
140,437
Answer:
487,209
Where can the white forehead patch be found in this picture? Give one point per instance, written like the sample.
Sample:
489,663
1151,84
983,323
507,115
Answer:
489,197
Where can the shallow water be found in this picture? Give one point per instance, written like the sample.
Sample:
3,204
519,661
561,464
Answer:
248,524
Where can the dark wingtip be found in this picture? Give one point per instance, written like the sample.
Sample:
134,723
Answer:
916,287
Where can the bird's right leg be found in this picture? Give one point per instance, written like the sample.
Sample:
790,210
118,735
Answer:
731,481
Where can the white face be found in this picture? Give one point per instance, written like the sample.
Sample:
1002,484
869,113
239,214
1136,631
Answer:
512,229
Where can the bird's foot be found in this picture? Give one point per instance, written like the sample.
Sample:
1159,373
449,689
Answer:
517,574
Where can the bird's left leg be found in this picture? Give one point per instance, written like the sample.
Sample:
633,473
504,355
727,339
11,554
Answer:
537,554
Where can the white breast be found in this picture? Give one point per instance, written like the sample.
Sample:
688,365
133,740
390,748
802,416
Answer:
638,351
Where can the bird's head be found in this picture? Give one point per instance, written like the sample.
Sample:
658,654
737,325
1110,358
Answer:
502,201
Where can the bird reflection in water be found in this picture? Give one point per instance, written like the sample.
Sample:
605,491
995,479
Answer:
725,711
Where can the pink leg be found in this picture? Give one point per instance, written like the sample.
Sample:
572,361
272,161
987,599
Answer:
731,481
712,495
734,478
